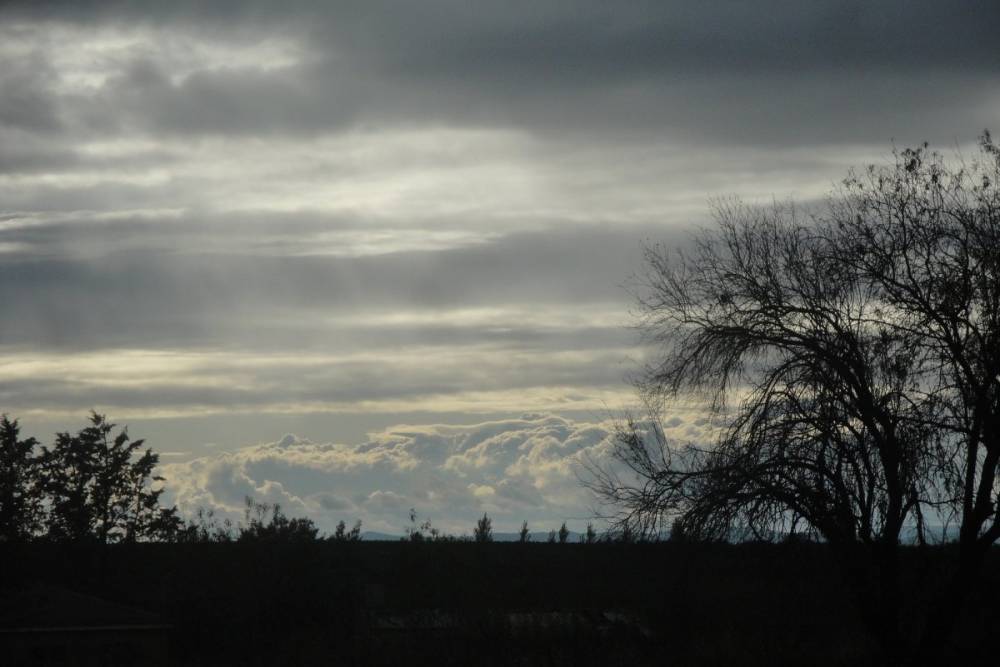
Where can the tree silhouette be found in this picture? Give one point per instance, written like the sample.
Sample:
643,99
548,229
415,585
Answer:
100,487
483,532
354,534
524,536
563,533
21,508
266,522
863,350
341,534
423,531
206,527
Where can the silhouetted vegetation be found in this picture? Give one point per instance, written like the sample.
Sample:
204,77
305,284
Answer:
341,534
22,513
266,590
483,532
206,527
266,522
863,345
390,603
424,531
92,485
100,486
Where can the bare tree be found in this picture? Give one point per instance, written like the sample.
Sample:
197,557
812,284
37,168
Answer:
928,239
852,362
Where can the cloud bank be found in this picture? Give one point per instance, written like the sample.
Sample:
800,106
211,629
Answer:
523,469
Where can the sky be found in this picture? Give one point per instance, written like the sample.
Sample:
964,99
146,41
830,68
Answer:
358,257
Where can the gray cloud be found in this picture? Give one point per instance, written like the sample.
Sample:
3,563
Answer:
320,210
640,35
290,100
168,299
25,102
778,72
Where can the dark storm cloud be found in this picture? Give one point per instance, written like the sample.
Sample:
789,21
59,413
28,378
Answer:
451,36
757,73
428,159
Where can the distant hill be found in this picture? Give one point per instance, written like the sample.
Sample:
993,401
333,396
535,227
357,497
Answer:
934,535
374,536
540,536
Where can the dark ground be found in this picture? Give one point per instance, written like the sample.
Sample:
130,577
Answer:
394,603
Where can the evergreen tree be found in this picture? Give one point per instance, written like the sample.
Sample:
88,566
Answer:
483,532
21,509
100,487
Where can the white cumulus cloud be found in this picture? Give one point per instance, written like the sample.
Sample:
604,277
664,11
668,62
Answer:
516,469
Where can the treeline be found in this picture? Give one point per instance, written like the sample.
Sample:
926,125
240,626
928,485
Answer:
98,485
483,532
262,522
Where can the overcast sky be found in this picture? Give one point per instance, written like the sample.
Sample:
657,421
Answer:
224,222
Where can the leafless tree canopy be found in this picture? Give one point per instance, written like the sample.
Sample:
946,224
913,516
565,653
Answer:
852,356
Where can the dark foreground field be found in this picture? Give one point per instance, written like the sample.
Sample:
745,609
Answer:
464,603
